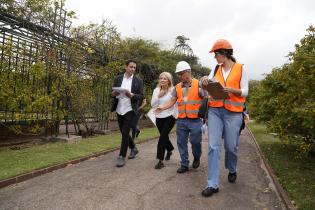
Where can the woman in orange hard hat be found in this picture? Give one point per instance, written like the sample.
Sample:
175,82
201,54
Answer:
224,115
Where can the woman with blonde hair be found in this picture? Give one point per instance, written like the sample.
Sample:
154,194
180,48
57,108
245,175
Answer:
165,120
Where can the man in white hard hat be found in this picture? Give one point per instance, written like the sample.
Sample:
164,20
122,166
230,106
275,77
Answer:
188,96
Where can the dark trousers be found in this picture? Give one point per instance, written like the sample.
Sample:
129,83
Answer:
135,127
164,125
125,123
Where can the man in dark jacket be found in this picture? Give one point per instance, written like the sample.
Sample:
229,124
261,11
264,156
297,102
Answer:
128,93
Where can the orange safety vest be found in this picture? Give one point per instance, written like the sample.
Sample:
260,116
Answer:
189,108
234,103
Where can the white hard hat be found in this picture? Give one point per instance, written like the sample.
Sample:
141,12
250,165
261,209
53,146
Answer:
182,66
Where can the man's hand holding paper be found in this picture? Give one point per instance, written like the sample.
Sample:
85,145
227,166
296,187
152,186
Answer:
115,93
120,92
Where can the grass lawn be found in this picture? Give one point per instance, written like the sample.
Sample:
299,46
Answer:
16,162
297,176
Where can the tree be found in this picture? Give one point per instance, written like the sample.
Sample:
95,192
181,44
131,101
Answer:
285,99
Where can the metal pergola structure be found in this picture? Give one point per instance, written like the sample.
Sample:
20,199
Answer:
27,40
182,47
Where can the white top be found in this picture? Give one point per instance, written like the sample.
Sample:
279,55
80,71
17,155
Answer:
244,79
156,101
124,103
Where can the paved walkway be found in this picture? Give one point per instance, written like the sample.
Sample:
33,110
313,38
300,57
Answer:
98,184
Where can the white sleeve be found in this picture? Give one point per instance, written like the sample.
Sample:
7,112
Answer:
244,82
211,74
155,99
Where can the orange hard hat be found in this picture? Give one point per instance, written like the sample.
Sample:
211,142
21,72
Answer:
221,44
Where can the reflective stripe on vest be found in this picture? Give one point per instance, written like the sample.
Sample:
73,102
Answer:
188,111
189,108
190,102
234,103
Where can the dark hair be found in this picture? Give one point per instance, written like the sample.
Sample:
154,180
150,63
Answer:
228,53
130,61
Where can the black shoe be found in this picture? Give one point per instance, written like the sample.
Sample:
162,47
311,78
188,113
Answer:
232,177
182,169
133,153
209,191
168,155
137,133
159,165
196,163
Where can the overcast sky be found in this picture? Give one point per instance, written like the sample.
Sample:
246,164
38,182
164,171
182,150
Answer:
262,33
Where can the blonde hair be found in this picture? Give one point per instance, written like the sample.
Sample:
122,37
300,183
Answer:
169,78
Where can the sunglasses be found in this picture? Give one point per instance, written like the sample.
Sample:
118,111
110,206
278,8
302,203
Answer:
218,53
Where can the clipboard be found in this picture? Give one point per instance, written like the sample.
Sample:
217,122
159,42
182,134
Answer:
215,89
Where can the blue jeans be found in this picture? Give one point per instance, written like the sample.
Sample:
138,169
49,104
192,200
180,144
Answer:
222,122
188,128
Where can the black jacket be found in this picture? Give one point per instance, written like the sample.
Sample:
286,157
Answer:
136,89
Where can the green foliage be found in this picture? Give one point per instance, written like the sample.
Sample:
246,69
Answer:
285,99
15,129
102,41
253,86
30,8
36,5
35,129
199,71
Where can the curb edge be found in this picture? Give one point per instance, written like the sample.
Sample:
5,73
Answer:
283,194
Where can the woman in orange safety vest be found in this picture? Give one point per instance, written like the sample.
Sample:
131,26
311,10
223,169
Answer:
224,115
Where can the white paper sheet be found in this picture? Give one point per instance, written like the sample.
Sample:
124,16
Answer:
121,92
151,116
